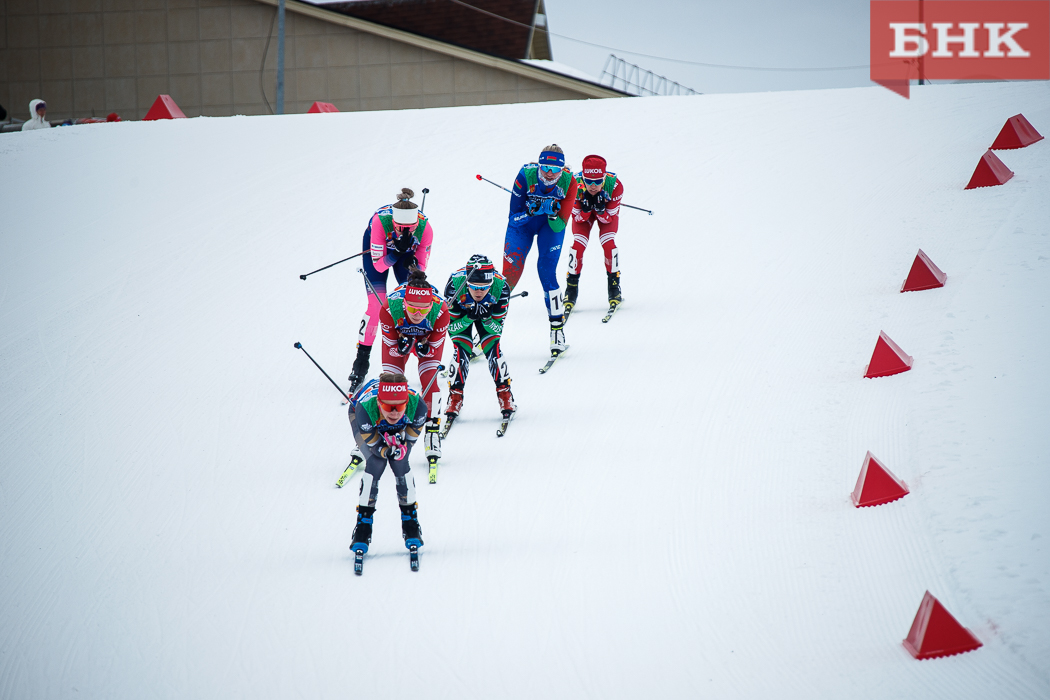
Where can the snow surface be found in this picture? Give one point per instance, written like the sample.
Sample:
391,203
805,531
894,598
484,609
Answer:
669,515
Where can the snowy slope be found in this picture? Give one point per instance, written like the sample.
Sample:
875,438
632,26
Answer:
669,515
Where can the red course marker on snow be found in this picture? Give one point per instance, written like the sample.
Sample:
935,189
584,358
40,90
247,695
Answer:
876,484
887,359
1017,132
934,632
990,171
321,108
163,108
923,275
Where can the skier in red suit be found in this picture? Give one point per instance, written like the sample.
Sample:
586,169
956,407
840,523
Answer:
598,195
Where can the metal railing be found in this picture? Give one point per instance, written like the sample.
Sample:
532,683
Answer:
636,80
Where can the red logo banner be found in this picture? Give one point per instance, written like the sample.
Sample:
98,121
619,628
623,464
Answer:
959,40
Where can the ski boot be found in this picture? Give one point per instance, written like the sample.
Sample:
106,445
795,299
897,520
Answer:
615,297
455,402
572,288
432,439
363,531
360,368
558,344
506,399
410,529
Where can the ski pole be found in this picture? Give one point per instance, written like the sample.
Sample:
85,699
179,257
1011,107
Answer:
300,347
368,283
519,294
650,213
638,208
425,192
493,183
303,277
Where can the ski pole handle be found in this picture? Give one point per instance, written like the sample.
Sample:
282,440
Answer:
519,294
345,396
356,255
493,183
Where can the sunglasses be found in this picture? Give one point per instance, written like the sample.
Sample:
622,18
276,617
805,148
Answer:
391,407
588,181
417,310
478,287
550,169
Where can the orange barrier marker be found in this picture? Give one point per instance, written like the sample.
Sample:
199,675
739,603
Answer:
923,275
934,632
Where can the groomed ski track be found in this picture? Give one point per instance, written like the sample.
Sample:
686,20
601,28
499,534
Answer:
670,515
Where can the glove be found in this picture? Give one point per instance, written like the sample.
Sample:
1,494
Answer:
395,449
404,344
402,244
422,347
550,207
585,204
532,205
600,200
479,311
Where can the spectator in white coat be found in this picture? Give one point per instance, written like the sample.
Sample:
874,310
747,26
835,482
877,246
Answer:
37,112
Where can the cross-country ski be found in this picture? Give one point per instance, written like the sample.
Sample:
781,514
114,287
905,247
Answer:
554,358
355,463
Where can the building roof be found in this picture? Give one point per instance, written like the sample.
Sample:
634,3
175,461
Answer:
586,88
496,27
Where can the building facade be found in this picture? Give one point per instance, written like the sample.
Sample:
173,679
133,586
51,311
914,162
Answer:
218,57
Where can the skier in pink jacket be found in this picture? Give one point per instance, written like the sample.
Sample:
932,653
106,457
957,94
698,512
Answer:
398,238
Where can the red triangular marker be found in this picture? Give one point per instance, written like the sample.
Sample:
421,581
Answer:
321,107
923,275
164,108
887,359
990,171
876,484
1017,132
934,632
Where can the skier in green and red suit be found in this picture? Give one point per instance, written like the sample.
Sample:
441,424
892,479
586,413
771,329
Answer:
541,203
414,321
598,195
478,298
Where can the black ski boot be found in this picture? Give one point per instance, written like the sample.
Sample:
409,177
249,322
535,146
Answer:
360,369
572,288
363,531
410,529
614,289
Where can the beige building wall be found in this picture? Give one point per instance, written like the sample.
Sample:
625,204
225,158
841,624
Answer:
219,57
